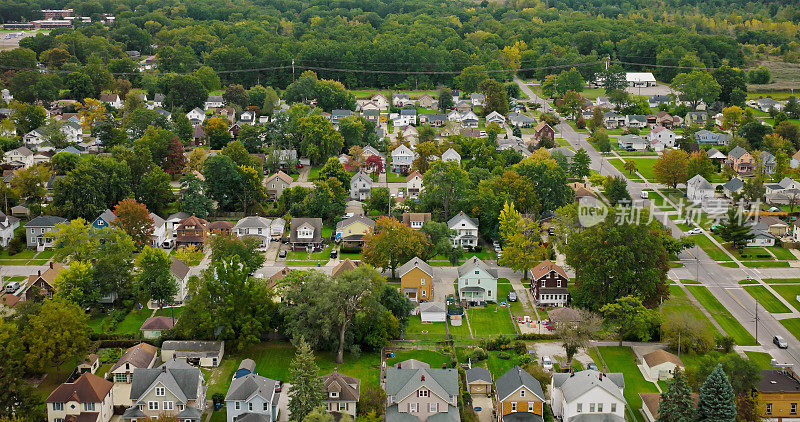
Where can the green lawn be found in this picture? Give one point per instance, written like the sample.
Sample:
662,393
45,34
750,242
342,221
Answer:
133,322
789,292
713,251
722,316
432,358
688,281
24,254
622,359
782,253
793,325
395,178
490,320
771,303
498,366
620,165
322,256
781,280
645,166
502,296
461,332
766,264
761,359
679,303
416,326
170,312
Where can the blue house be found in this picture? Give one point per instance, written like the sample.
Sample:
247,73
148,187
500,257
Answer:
103,220
706,137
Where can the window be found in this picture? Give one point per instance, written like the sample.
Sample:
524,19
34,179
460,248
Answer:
160,392
513,406
477,272
433,407
120,377
579,408
613,407
769,408
412,407
266,406
334,394
793,409
422,282
489,292
424,293
250,407
58,420
180,407
522,393
543,283
238,405
168,405
89,407
591,407
58,406
423,393
599,407
152,405
558,283
530,406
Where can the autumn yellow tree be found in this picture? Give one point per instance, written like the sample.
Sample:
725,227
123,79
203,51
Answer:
672,168
732,118
195,159
91,111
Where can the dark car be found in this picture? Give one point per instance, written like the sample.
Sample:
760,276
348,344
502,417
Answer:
282,254
278,386
334,254
592,366
285,240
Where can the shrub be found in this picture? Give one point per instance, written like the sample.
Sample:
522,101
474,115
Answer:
539,373
500,342
725,343
15,246
218,398
580,123
478,354
525,359
504,355
520,348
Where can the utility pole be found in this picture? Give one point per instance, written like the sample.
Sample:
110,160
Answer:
292,70
679,346
756,321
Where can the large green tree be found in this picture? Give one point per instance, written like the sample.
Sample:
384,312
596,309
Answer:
676,404
307,392
392,244
696,86
445,188
716,402
57,334
155,279
629,319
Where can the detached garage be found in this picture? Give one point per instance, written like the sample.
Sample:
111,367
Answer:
433,311
479,380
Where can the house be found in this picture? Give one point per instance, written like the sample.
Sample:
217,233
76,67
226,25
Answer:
706,137
477,282
154,326
636,120
767,163
477,99
338,115
19,157
660,364
588,392
479,380
381,101
563,151
191,231
409,133
519,120
256,227
549,284
369,151
421,394
402,159
174,220
198,134
207,354
660,138
345,265
584,194
544,131
173,389
732,187
343,393
665,119
159,230
795,160
426,101
416,220
42,284
196,115
7,226
463,106
761,235
640,79
767,104
104,220
788,183
515,144
778,394
140,356
775,225
416,280
452,156
495,117
89,398
252,397
401,100
112,100
180,271
519,396
351,231
248,117
306,233
697,118
433,312
277,228
407,116
740,160
698,189
373,116
89,365
277,183
360,186
612,120
656,100
632,142
36,229
715,154
435,120
650,402
213,101
466,230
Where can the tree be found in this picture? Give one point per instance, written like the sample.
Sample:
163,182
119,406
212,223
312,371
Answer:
630,167
614,79
470,78
696,86
630,319
134,218
57,334
575,335
495,94
352,129
91,111
380,200
350,292
580,164
96,183
616,190
569,80
75,284
307,392
193,200
601,139
225,247
699,163
236,95
676,404
223,182
730,81
270,101
30,183
548,179
392,243
672,167
175,161
185,92
207,77
439,235
216,129
445,188
760,75
735,230
334,168
753,189
686,334
182,126
445,101
18,399
753,132
154,190
155,278
789,131
716,402
523,248
732,118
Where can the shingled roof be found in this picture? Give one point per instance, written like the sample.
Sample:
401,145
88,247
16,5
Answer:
88,388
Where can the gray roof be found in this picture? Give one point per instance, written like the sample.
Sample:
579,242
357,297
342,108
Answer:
46,221
189,413
214,98
402,382
432,307
193,345
341,113
576,384
637,117
356,218
699,182
139,356
179,216
734,184
297,222
133,413
515,378
411,364
253,221
243,388
415,262
737,152
767,158
519,117
478,374
158,97
659,98
475,262
349,388
459,217
408,112
177,376
157,221
107,215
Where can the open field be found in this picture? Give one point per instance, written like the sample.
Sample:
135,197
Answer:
784,77
789,292
679,303
771,303
490,320
722,316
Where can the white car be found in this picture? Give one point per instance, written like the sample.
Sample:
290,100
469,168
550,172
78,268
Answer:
696,230
547,363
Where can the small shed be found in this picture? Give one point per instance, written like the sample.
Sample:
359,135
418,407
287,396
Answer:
248,366
90,364
479,380
661,364
433,311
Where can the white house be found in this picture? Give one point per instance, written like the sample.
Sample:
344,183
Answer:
477,282
590,394
632,142
477,99
432,311
360,186
698,189
254,226
401,100
640,79
252,397
495,117
402,159
466,230
380,101
451,155
196,115
88,398
660,364
159,230
761,236
414,184
21,156
660,138
7,226
214,101
111,99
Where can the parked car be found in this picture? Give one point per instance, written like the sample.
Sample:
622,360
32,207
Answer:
547,363
644,194
282,254
780,342
334,254
696,230
512,296
12,287
279,386
592,366
168,244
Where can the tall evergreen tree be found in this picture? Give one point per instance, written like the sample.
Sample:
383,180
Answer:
307,391
676,403
716,399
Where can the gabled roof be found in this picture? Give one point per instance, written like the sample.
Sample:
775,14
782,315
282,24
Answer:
178,268
737,152
192,221
541,126
344,265
432,307
576,384
177,376
356,219
544,268
298,222
714,153
246,387
107,215
699,182
88,388
494,116
253,221
478,374
281,175
214,99
412,175
349,388
46,221
401,383
461,217
361,176
473,262
138,356
415,262
402,150
519,117
734,184
657,357
158,323
515,378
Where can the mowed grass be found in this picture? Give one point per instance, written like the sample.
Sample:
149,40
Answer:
793,325
789,292
782,253
763,296
762,359
432,358
499,366
490,320
133,321
680,304
712,250
622,359
781,280
724,318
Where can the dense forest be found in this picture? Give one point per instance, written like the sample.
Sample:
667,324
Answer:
403,43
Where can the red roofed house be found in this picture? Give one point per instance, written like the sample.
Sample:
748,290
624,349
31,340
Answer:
88,399
544,131
191,231
154,326
549,284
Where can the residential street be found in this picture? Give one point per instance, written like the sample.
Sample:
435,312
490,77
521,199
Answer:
721,281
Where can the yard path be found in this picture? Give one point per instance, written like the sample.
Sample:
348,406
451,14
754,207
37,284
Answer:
525,299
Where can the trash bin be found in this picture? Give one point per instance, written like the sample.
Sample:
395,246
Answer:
319,264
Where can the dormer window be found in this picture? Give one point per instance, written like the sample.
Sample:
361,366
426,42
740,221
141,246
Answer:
334,394
423,392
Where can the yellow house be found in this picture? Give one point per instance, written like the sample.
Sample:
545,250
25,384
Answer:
779,394
519,395
416,280
351,231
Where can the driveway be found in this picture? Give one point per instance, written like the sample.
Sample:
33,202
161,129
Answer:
557,353
283,403
487,406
